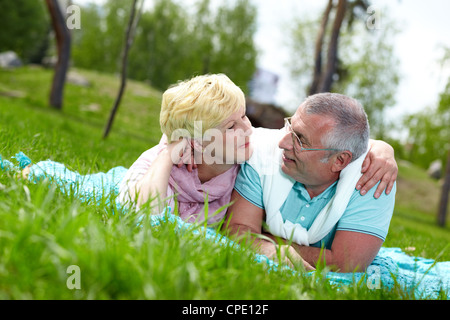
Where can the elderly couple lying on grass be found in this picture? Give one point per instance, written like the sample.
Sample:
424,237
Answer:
317,190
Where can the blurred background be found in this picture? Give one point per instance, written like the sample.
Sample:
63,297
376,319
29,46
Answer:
394,56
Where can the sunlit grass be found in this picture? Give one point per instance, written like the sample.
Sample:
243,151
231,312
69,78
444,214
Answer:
44,230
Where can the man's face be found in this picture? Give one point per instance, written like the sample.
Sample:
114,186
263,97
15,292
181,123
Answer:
306,166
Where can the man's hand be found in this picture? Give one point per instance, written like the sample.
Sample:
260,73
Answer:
379,165
245,220
284,254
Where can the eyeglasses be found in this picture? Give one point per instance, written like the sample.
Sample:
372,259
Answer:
298,146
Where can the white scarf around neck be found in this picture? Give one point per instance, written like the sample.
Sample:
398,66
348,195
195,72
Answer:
276,186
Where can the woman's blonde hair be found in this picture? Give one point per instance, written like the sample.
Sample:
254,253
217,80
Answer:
207,98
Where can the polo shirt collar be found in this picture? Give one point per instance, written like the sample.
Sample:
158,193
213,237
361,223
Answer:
327,194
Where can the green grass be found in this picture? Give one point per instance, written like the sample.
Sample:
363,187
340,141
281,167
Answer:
414,223
43,231
74,135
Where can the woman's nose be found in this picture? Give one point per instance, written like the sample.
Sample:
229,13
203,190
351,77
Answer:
248,129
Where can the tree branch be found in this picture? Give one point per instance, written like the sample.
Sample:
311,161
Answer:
327,80
318,49
129,35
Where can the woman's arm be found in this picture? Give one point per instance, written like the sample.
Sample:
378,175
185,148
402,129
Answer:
379,165
156,180
154,183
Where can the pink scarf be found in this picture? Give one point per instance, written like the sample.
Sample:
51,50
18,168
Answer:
191,193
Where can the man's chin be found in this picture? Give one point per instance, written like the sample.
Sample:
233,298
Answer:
284,168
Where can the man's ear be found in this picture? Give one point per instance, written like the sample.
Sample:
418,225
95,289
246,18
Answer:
341,160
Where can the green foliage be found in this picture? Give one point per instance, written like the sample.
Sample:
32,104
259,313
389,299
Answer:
163,50
25,26
300,42
367,69
429,132
234,50
90,48
171,43
369,72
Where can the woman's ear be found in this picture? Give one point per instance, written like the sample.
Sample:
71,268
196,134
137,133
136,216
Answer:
197,148
196,145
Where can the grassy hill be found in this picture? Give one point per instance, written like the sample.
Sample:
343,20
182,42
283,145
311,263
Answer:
414,223
42,231
74,135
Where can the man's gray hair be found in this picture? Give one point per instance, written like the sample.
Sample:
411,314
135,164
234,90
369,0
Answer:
351,131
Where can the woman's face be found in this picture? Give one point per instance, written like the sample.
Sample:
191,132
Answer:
229,143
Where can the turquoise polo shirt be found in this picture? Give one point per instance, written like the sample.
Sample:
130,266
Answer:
364,214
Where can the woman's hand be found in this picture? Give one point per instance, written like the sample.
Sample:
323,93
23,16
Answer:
182,153
379,165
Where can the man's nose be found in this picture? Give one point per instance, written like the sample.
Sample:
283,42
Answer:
286,142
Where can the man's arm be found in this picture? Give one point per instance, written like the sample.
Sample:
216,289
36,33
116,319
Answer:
350,251
243,217
156,180
244,223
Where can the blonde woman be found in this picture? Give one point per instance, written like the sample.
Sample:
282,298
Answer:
206,113
203,121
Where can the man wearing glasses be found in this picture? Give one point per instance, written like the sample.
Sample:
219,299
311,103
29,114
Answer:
299,186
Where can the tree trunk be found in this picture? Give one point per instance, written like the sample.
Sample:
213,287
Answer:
318,49
63,40
128,41
443,204
327,79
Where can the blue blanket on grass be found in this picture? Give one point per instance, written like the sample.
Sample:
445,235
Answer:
426,278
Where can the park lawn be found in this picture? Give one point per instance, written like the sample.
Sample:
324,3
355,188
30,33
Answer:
43,231
414,223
